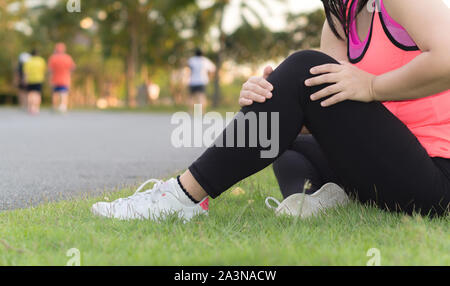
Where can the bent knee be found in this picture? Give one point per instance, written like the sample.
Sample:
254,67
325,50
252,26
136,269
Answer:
298,65
309,58
311,55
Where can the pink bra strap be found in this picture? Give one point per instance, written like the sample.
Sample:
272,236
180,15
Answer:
396,33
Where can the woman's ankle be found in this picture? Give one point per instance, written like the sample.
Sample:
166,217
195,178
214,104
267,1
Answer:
191,186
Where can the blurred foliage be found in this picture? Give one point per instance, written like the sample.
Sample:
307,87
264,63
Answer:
118,45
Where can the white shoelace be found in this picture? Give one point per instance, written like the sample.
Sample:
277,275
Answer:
269,199
155,190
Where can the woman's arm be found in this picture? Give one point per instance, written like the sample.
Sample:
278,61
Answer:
427,22
331,45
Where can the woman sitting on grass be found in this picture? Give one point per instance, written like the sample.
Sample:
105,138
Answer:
376,100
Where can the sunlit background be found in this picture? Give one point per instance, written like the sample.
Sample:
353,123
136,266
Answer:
134,52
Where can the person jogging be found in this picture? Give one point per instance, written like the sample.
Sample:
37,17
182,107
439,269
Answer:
201,67
376,99
60,65
34,70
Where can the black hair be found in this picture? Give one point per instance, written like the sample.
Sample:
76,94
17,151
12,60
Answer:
338,9
34,52
198,52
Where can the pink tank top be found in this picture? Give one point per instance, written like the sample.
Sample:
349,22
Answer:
387,47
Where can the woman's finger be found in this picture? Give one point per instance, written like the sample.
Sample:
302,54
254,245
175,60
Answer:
322,79
261,82
327,68
265,84
267,71
258,89
334,100
245,102
327,91
248,94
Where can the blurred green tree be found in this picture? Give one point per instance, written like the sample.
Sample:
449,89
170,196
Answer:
140,31
148,36
11,36
254,42
213,17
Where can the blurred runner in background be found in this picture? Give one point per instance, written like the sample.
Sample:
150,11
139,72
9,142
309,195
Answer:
201,67
34,70
60,66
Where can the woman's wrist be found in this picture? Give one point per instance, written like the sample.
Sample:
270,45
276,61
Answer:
373,92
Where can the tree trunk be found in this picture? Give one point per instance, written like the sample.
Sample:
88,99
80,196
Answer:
132,59
217,97
219,61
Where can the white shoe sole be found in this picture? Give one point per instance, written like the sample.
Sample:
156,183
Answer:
303,206
187,215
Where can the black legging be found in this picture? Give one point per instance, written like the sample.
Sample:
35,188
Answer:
373,154
304,161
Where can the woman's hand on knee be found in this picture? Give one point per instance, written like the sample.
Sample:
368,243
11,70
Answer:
256,89
347,82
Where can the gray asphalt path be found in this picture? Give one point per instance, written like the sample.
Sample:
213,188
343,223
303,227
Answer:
53,156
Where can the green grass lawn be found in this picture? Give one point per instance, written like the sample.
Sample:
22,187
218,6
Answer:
238,231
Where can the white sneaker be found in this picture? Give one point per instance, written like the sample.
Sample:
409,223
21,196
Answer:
165,198
303,206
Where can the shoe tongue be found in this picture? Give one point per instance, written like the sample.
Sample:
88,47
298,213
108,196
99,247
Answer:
171,186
